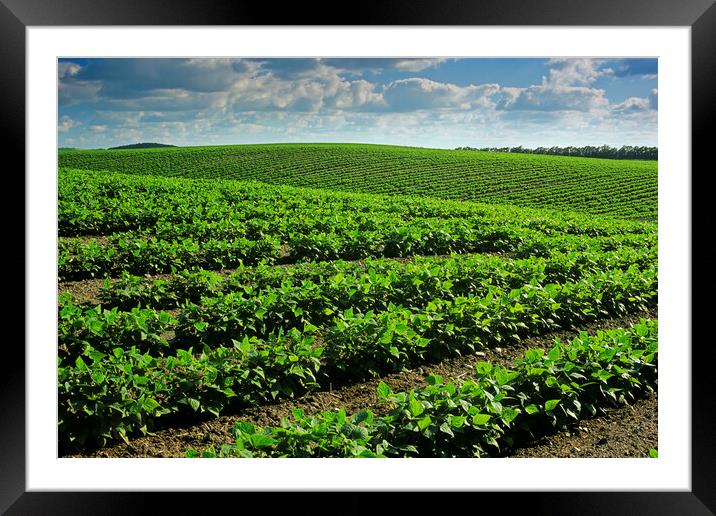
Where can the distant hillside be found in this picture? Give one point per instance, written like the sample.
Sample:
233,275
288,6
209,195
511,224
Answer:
622,188
141,146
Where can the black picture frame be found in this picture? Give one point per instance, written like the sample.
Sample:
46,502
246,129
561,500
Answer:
699,15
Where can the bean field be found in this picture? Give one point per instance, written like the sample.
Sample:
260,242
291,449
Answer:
208,284
622,188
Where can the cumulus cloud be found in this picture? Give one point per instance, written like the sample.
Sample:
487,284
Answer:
632,105
567,87
548,97
307,94
567,72
354,95
418,93
638,104
585,71
67,69
66,123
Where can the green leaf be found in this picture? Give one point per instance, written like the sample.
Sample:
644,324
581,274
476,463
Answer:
150,404
244,427
387,337
425,422
653,453
96,326
416,408
481,419
457,421
383,390
554,353
80,364
445,428
363,415
550,405
261,441
434,379
483,368
509,414
532,355
97,377
531,409
401,328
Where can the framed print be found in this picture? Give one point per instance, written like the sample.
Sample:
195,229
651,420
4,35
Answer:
413,250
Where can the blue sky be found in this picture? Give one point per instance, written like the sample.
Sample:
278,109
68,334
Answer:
425,102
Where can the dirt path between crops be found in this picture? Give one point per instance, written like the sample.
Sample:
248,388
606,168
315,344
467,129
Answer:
628,431
624,432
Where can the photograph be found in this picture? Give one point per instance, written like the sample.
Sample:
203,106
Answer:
267,248
357,257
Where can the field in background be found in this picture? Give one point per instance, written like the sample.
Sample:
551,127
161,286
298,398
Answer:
622,188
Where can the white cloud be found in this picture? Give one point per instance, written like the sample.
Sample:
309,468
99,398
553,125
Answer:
570,71
67,123
355,95
551,97
67,69
417,65
324,92
418,93
638,104
632,105
566,88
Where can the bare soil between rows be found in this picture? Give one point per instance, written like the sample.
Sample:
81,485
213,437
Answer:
627,431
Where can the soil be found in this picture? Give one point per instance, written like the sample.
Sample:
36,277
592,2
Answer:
84,239
85,291
628,431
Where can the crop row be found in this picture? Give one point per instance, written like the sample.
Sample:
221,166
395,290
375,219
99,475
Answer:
139,255
260,312
96,203
373,283
123,390
484,416
93,258
581,184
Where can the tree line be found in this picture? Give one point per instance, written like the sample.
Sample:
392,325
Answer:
589,151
